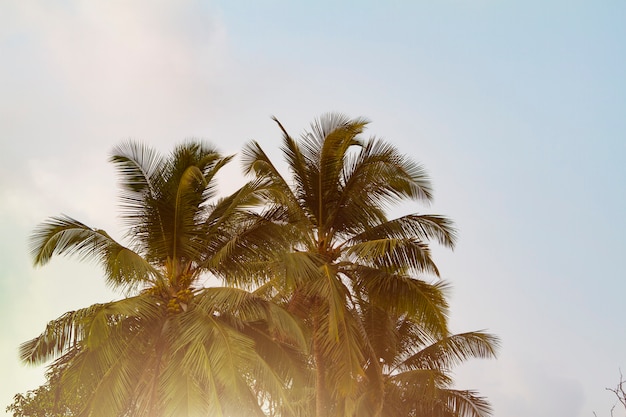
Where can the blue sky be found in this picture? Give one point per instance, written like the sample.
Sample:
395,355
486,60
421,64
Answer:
515,108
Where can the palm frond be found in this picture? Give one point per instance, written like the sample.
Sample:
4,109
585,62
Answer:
272,186
305,179
401,294
249,307
338,336
188,185
241,248
185,396
63,235
211,343
453,350
381,330
420,383
461,403
395,254
340,134
423,227
88,327
59,335
391,175
140,169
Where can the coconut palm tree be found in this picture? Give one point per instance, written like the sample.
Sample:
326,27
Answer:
342,244
171,346
415,367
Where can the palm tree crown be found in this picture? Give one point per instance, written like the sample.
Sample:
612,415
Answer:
344,248
330,308
172,347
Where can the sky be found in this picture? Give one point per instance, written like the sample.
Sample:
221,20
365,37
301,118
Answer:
515,108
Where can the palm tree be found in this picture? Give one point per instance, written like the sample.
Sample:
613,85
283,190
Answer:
342,245
415,367
171,347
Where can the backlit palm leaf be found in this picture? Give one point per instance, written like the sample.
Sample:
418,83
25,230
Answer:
453,350
415,364
65,236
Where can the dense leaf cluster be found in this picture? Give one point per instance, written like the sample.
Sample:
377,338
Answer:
327,307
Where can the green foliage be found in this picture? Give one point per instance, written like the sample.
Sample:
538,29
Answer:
328,306
39,403
49,400
412,367
171,346
333,213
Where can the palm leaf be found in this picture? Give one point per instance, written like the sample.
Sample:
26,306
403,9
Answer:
140,169
65,236
274,187
401,294
424,227
387,174
249,307
453,350
395,255
464,403
58,336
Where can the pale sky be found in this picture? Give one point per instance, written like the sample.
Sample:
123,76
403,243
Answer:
516,108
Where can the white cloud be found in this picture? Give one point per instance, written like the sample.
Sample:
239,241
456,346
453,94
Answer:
148,53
